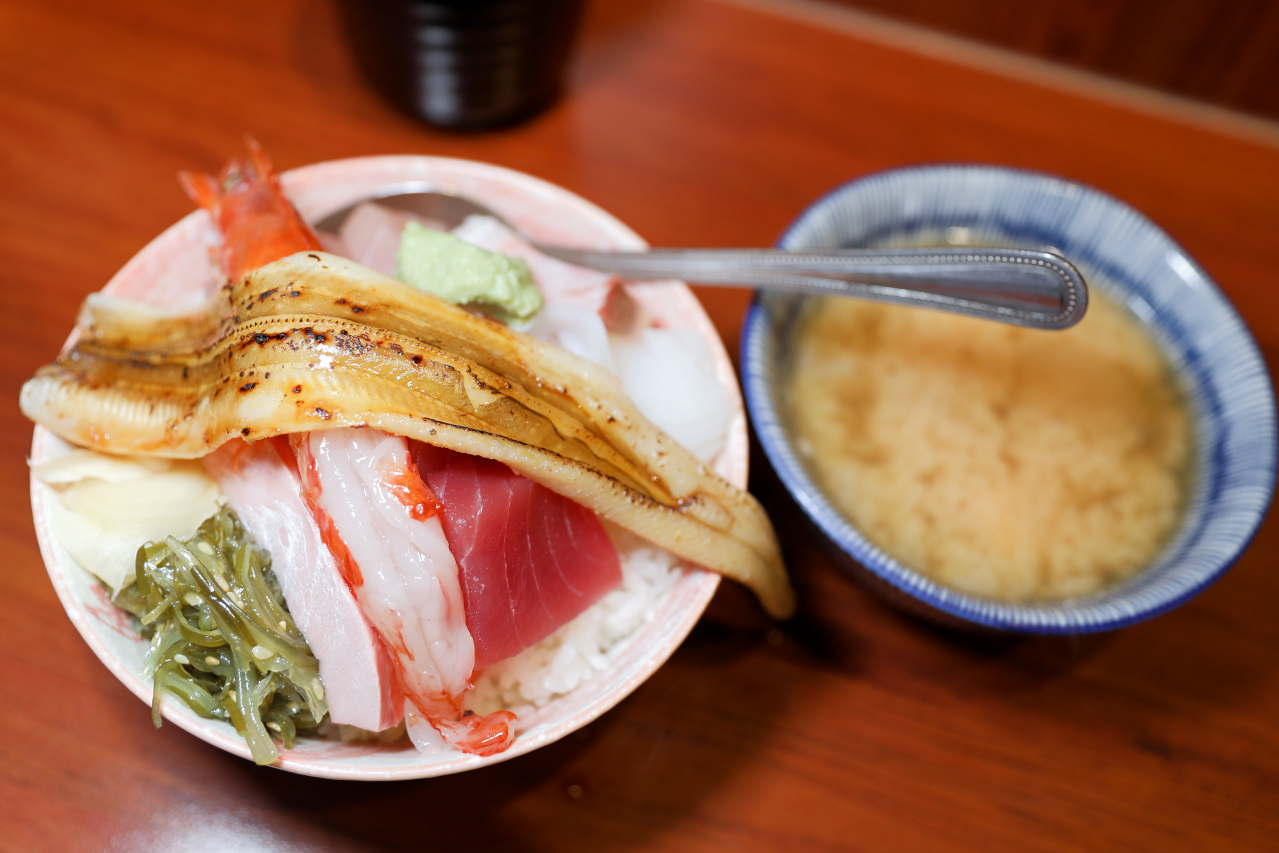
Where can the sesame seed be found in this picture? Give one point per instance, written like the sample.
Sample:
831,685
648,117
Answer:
235,599
192,599
211,660
273,726
284,626
261,652
226,587
205,548
182,659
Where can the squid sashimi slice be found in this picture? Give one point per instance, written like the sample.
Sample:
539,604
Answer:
381,523
530,559
359,683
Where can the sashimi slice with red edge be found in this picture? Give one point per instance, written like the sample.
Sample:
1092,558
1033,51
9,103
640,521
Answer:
530,559
381,524
262,486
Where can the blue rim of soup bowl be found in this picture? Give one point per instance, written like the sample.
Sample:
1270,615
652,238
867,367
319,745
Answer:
1121,252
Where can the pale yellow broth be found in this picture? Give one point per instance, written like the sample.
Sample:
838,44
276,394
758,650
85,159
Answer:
1008,463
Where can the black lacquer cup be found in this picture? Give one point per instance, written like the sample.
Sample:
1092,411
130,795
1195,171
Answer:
464,64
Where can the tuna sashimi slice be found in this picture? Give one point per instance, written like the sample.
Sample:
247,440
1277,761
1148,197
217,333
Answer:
530,560
359,682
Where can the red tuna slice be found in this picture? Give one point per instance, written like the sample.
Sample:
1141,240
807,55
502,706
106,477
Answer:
264,490
530,559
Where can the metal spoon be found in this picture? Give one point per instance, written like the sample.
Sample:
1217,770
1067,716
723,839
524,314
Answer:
1041,290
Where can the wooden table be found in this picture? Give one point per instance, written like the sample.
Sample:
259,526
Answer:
697,122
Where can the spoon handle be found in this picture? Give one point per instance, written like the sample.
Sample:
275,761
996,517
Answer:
1028,288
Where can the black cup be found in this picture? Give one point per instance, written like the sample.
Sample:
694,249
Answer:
465,64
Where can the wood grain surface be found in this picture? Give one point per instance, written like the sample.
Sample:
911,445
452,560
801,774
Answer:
697,122
1224,53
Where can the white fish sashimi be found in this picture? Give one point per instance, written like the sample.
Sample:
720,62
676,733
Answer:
669,375
405,579
359,681
575,328
371,235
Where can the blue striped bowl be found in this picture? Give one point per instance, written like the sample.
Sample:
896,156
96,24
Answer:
1119,251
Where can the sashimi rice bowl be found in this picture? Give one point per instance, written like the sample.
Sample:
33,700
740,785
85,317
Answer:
393,502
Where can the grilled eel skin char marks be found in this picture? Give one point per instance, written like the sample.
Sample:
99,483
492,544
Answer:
313,341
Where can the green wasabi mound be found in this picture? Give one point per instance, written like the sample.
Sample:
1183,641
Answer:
452,269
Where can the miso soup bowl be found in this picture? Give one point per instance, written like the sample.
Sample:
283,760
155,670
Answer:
1119,251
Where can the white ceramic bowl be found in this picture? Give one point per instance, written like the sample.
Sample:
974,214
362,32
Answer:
1118,250
178,258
